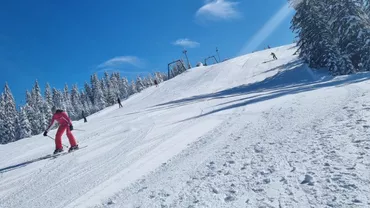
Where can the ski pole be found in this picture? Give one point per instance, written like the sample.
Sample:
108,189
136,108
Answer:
54,140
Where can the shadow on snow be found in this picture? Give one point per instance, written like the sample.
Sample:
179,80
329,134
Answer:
292,78
23,164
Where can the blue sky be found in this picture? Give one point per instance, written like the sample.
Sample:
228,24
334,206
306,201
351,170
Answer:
66,41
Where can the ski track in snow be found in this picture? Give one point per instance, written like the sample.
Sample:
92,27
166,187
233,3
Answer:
247,132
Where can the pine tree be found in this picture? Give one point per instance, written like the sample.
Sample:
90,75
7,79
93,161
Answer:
29,99
132,88
114,88
105,85
139,84
88,92
48,104
67,102
365,60
24,126
350,23
96,85
31,113
159,77
40,111
58,99
9,122
32,118
36,94
333,34
317,43
86,103
109,88
76,103
3,138
177,69
304,23
48,95
124,88
365,6
149,81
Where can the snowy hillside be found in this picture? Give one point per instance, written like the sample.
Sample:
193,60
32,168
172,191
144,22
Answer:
248,132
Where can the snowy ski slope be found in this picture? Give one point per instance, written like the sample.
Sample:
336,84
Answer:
248,132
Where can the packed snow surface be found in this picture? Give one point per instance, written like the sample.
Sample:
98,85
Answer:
247,132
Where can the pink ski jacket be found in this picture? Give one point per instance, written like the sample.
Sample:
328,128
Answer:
62,118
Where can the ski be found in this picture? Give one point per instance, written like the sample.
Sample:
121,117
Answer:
53,156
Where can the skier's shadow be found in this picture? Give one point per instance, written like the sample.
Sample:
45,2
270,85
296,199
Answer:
268,61
23,164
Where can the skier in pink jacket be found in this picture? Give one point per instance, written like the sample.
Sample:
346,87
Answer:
65,123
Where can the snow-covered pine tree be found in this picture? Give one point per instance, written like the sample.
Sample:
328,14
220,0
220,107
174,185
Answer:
139,84
159,77
76,103
48,95
124,88
29,99
9,122
40,119
3,139
366,6
146,82
24,126
86,103
114,88
350,22
36,94
90,96
17,135
365,62
31,113
317,44
96,86
89,106
164,76
106,88
83,103
48,104
343,24
304,24
67,102
149,81
132,88
88,92
58,99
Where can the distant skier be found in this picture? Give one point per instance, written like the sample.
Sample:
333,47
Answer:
268,46
83,116
274,56
65,123
156,83
119,103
